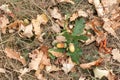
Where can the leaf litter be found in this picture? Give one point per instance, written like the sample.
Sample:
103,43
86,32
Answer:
66,29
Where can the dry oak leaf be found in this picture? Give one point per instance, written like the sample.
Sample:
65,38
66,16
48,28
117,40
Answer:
38,58
90,64
59,39
14,55
41,19
82,13
52,68
109,29
26,31
56,28
116,54
68,1
55,13
74,16
36,25
3,23
6,9
14,26
68,65
99,73
56,54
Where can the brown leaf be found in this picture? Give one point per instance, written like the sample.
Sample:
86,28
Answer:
6,9
68,65
38,58
90,64
109,29
14,55
74,16
36,25
26,30
111,76
41,19
82,13
56,54
52,68
3,23
56,28
99,73
116,54
55,13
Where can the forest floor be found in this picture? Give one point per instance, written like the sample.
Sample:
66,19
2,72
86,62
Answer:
13,41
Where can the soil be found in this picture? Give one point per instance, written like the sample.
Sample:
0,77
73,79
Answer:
26,9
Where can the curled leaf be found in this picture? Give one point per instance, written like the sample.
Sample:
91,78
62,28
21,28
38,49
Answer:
89,65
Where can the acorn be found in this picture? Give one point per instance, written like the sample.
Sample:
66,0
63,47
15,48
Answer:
71,47
26,21
61,45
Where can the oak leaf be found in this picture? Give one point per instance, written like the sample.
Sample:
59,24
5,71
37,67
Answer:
68,65
55,13
26,30
3,23
14,55
38,58
99,73
116,54
90,64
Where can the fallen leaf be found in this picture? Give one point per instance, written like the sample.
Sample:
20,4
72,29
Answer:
2,70
110,5
99,73
68,65
41,19
56,28
99,8
101,37
14,55
56,53
116,54
52,68
68,1
90,1
90,64
3,23
36,25
82,13
26,30
109,29
6,9
38,58
111,76
40,76
59,39
23,71
74,16
82,78
90,39
55,13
